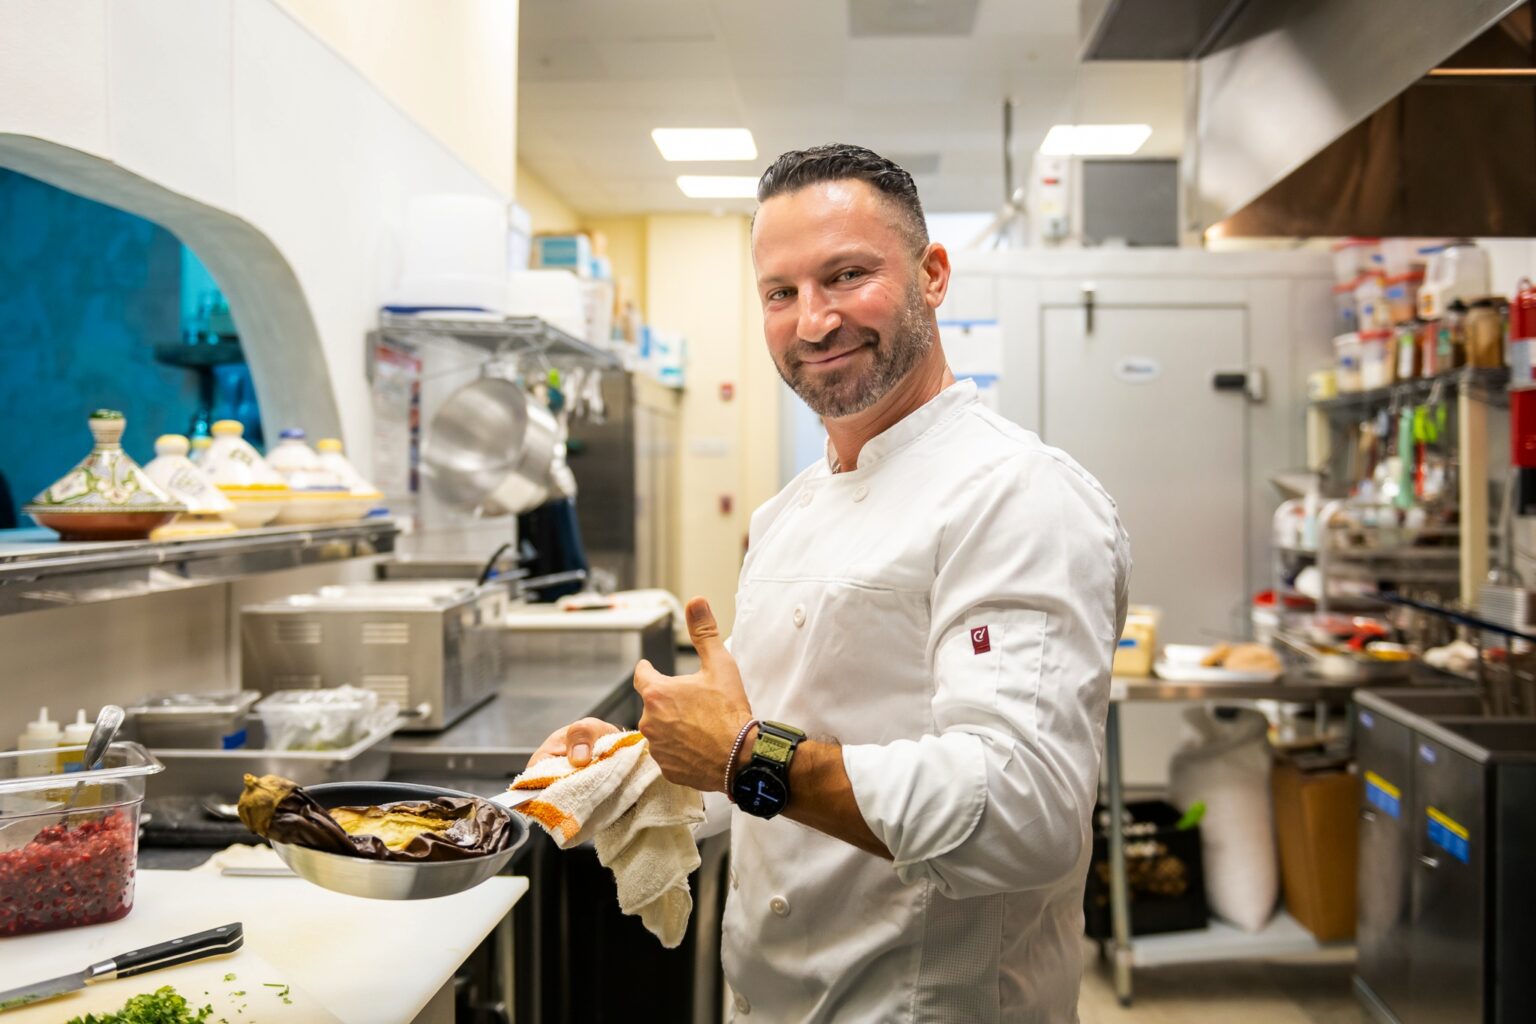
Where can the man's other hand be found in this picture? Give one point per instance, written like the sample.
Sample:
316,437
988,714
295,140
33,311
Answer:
691,721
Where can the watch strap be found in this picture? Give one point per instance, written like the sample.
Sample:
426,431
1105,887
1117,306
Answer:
776,743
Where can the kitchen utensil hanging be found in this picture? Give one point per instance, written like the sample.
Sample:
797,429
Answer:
490,448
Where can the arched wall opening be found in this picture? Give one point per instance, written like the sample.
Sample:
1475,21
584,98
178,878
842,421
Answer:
271,315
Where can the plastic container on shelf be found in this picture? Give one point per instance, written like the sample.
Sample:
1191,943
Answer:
454,253
1457,270
1401,256
553,295
1345,319
1377,359
1401,294
1405,340
64,869
1371,303
1353,257
331,719
1346,348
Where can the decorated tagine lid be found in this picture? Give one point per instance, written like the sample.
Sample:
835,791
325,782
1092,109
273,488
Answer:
232,464
333,458
107,480
107,496
300,466
179,477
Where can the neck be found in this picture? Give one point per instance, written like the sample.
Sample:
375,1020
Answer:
849,434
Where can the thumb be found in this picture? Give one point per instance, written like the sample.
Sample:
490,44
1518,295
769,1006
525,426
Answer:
704,632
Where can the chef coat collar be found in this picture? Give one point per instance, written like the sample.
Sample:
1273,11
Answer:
937,409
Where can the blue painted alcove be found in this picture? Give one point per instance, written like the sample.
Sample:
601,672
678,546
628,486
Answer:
86,290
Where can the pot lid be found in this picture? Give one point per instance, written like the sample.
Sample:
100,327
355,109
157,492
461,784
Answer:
106,480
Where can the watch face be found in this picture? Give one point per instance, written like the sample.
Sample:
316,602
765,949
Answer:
760,792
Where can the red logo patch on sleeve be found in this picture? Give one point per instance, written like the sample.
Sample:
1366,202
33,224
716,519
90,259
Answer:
981,640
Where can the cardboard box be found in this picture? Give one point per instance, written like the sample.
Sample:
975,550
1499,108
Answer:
1133,654
563,252
1316,822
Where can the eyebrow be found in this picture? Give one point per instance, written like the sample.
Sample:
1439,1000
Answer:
837,259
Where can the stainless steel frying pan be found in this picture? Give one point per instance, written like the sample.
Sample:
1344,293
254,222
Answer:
394,880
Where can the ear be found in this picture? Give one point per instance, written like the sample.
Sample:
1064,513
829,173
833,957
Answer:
934,264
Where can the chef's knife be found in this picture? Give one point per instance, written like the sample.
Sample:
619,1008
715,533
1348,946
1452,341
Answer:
214,942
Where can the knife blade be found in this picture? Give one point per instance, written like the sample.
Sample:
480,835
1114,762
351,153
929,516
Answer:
198,946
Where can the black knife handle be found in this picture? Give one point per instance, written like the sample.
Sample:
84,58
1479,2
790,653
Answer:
224,939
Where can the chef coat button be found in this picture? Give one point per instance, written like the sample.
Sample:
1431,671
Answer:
779,905
860,493
742,1006
805,498
799,615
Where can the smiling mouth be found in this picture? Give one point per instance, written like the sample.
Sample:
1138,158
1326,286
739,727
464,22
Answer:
834,361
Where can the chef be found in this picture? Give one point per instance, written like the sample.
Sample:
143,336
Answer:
904,731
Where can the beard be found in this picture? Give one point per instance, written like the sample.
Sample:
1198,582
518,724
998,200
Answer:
848,390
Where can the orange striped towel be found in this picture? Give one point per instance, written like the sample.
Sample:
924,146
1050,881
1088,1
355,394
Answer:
640,824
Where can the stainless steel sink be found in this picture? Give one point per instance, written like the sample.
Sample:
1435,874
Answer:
1494,739
1434,703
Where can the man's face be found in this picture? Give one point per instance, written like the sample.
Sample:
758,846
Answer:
844,307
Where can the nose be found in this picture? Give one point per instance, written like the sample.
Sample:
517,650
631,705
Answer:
818,315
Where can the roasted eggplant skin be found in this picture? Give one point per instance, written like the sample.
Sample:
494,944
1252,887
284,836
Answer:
278,809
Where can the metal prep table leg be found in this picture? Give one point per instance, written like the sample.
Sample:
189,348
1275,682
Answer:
1119,890
506,967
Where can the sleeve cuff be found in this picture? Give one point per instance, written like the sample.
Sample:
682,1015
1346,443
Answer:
717,816
920,798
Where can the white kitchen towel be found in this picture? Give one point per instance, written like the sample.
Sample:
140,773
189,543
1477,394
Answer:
640,824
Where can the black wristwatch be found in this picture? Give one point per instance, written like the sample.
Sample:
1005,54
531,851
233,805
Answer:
762,787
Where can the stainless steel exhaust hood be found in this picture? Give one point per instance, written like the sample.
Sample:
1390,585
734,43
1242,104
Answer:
1322,117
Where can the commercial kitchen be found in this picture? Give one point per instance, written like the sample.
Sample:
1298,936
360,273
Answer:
383,383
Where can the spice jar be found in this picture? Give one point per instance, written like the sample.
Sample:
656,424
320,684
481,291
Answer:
1407,350
1485,334
1450,340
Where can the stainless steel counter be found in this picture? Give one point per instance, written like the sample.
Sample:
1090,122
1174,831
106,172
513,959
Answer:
497,739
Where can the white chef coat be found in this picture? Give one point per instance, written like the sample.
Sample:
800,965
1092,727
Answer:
948,611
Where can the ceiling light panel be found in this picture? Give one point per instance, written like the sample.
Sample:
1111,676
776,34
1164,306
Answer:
1095,139
718,186
873,19
705,143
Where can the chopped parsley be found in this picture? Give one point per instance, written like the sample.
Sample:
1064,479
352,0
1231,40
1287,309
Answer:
162,1006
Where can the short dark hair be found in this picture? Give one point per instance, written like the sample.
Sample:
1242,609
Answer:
840,162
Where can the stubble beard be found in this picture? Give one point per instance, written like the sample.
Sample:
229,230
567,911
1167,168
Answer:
846,392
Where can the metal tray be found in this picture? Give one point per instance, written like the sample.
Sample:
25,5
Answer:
222,772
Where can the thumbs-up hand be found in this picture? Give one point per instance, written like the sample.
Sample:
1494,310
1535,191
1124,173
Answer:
690,722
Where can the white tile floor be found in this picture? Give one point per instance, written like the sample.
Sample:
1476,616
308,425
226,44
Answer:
1251,992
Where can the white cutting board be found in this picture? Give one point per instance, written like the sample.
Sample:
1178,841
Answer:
258,1004
364,961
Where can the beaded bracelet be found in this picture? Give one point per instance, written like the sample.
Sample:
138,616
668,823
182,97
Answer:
730,765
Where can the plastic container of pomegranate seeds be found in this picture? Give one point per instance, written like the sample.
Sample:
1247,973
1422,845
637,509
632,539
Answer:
64,868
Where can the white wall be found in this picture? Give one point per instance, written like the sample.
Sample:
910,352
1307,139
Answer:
1286,296
236,108
451,65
